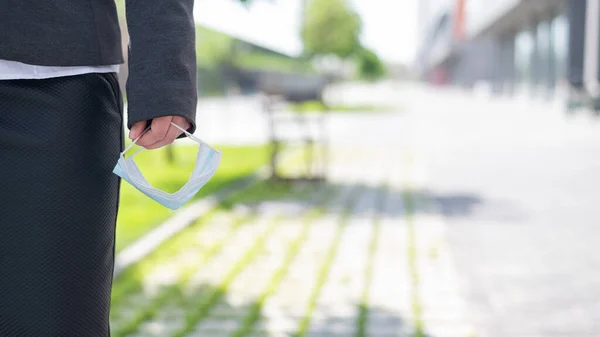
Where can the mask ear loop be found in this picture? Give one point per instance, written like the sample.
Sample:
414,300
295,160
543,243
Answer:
192,137
189,135
135,141
148,129
183,130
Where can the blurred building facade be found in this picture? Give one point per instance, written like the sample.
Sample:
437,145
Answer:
527,47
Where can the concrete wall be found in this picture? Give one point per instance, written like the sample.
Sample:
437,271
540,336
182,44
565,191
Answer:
481,14
475,63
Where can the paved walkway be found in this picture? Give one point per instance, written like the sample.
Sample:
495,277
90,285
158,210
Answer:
349,258
517,184
456,216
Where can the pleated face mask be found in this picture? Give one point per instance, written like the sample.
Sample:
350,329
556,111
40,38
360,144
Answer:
207,161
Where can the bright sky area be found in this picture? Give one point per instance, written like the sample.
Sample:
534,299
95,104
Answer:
389,26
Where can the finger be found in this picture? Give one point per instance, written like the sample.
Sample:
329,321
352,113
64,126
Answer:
182,122
158,131
172,134
137,129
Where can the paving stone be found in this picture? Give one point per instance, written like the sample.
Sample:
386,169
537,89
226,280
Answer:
443,329
334,325
390,307
334,311
326,333
161,327
211,325
209,334
391,329
228,310
277,325
170,312
443,307
270,334
125,313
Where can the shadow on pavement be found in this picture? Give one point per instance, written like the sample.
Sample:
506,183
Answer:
208,311
211,310
452,205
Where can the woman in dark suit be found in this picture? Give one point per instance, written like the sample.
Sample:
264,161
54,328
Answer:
61,132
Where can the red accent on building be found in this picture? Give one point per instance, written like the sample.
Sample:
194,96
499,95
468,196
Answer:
459,20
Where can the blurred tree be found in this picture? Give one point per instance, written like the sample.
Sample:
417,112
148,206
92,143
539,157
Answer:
212,48
370,66
330,27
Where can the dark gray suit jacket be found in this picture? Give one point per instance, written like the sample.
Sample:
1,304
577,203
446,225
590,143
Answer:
162,52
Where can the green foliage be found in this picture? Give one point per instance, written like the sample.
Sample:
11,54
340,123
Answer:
215,49
331,27
308,107
212,48
370,66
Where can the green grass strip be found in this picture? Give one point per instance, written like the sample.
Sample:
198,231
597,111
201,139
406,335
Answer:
409,201
328,261
361,330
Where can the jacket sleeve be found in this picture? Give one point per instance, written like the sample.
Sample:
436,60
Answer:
162,60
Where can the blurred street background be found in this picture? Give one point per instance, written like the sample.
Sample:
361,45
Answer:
401,168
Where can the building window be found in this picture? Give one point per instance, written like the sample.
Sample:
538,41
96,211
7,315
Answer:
560,41
542,56
524,47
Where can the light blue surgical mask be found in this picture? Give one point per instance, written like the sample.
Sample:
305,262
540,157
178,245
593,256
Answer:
207,161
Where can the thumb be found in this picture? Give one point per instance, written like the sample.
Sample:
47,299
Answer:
137,129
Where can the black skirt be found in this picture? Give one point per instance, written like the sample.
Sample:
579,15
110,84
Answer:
59,141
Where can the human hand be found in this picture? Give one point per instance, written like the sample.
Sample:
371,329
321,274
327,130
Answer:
161,131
